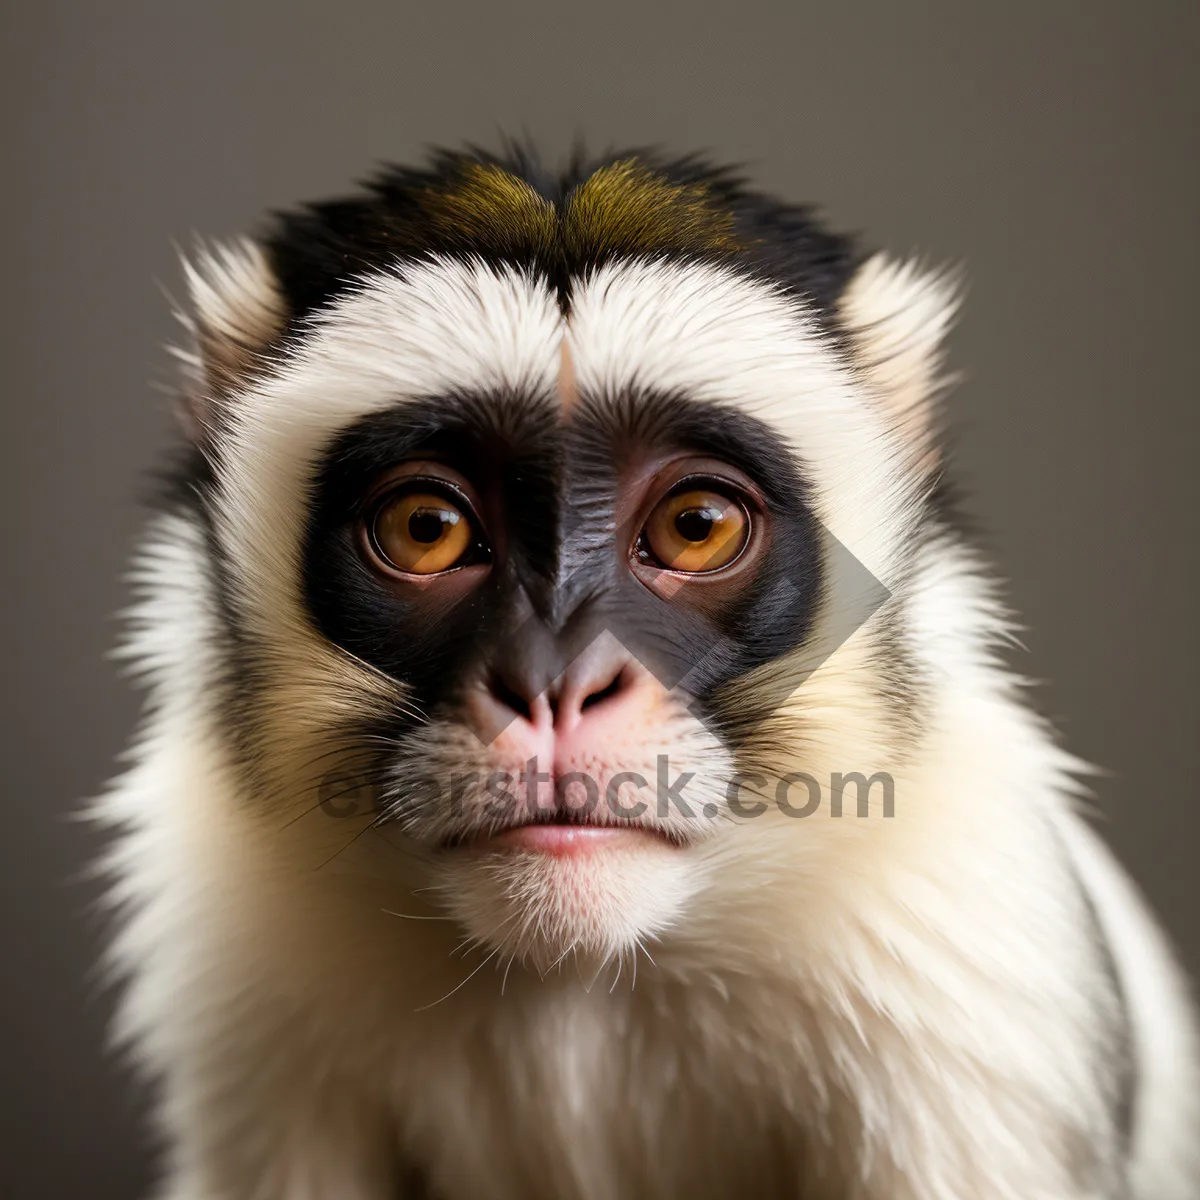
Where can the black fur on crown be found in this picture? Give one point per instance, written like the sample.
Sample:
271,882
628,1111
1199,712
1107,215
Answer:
508,208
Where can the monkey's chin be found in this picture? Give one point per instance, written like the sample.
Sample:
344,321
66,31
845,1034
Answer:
544,899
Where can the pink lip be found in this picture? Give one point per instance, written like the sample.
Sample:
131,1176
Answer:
566,841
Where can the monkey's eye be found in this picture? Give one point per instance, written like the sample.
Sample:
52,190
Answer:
695,530
422,533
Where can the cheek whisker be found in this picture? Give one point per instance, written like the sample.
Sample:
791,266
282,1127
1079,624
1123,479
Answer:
338,853
349,791
461,985
353,745
620,965
558,960
504,980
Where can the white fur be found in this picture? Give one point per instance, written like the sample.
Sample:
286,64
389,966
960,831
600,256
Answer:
875,1009
899,315
236,311
234,295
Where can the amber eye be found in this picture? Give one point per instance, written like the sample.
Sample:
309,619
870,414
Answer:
696,531
421,533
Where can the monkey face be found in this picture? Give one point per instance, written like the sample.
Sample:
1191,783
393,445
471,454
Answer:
558,557
548,567
566,582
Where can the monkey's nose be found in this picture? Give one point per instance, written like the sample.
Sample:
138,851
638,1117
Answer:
597,685
597,679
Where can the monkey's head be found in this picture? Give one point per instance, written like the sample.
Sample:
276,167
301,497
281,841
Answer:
574,520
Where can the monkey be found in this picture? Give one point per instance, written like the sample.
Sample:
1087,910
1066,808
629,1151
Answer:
581,758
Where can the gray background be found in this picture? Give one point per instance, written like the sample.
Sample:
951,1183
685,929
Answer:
1050,147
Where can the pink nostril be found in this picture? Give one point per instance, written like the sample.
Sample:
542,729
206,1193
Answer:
591,687
564,705
524,688
510,698
615,685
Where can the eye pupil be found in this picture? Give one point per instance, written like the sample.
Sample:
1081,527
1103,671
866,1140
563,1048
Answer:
694,525
696,531
427,526
420,533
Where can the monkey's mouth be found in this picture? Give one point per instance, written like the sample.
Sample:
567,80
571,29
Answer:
567,839
566,832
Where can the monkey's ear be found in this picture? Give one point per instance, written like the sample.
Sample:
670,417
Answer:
898,314
236,312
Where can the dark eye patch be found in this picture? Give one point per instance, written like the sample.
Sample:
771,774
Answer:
774,615
548,490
